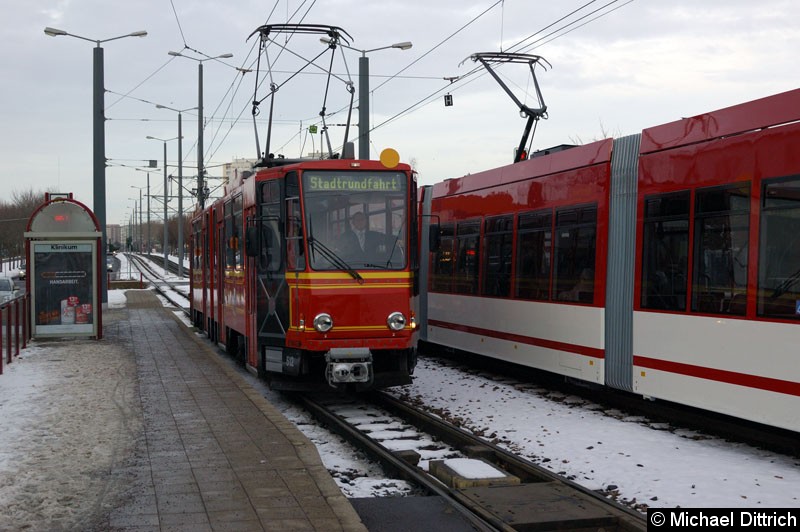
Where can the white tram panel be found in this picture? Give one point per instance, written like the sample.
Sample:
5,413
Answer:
564,339
750,350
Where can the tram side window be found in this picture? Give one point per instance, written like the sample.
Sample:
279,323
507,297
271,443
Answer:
206,246
230,234
534,249
237,243
721,235
497,257
465,278
442,267
295,259
665,251
269,258
197,248
779,257
575,247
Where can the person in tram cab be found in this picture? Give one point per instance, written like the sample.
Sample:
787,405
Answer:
360,244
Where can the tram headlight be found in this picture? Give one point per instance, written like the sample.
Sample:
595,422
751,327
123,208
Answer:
396,321
323,322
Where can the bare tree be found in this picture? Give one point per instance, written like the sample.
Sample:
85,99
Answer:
14,217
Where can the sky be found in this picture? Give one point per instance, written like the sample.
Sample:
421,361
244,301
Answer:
615,70
644,463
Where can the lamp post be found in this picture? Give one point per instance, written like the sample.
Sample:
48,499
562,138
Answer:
180,183
363,91
201,194
99,140
132,224
166,192
149,245
140,215
128,238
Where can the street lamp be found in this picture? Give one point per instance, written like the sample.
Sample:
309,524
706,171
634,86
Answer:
99,142
166,190
132,226
180,183
201,195
140,216
149,245
363,91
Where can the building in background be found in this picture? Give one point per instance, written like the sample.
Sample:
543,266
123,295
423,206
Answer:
113,234
232,170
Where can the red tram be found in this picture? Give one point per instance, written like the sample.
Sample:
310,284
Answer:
279,275
665,263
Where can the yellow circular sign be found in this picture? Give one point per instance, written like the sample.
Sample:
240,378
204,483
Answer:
390,158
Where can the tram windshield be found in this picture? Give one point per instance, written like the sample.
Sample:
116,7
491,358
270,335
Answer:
356,220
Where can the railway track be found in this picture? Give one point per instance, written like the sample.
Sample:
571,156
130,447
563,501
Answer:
154,277
490,487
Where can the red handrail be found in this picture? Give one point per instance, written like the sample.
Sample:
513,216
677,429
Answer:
12,327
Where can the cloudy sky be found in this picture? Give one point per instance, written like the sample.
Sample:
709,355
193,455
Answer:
617,67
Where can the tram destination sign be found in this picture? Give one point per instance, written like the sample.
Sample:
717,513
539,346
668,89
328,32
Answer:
360,182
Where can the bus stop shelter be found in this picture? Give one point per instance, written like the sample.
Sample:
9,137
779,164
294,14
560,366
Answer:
62,243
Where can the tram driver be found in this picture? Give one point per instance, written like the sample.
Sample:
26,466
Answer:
361,244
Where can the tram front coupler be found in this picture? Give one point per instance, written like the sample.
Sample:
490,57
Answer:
348,365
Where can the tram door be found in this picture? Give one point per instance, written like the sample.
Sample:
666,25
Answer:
272,303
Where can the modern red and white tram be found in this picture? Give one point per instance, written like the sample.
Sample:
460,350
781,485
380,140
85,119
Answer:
665,263
276,279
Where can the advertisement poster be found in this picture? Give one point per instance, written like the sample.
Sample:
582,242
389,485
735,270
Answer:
63,286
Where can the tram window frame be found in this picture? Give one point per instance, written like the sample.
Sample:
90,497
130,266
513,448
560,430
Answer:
270,256
721,249
575,253
443,259
466,274
295,239
665,251
498,236
534,255
238,228
196,246
206,242
230,253
779,249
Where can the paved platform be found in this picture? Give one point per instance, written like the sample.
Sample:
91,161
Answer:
214,454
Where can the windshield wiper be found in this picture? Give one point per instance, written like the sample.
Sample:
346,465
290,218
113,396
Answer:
394,245
335,259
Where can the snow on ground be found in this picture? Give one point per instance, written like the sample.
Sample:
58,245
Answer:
649,463
68,414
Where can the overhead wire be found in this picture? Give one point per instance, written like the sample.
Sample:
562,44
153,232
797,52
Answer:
236,84
473,75
178,21
430,51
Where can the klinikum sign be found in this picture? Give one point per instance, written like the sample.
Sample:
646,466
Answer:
62,243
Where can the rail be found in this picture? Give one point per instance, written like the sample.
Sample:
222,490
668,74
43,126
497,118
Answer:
15,328
526,497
